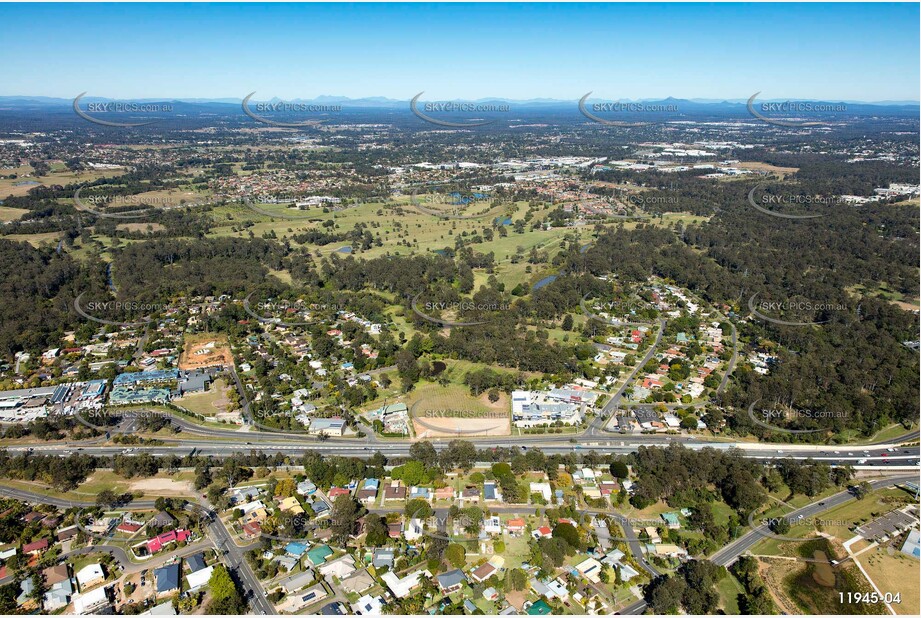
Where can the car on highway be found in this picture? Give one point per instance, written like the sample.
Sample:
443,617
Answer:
860,462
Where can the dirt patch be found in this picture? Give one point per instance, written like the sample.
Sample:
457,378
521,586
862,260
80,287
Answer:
773,572
453,413
205,351
460,427
163,487
516,598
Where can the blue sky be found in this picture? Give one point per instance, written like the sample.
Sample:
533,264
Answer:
863,52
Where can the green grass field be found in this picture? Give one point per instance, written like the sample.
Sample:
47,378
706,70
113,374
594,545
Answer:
729,589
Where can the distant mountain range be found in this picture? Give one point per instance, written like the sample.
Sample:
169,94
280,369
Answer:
384,102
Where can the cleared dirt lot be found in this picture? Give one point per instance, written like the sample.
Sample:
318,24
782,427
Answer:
205,350
163,487
446,427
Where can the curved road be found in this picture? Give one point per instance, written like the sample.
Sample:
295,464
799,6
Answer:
217,531
731,552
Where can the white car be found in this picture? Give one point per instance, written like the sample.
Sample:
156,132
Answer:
860,462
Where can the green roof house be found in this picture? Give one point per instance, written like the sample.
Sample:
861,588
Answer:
319,554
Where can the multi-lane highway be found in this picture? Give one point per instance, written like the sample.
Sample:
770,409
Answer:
895,454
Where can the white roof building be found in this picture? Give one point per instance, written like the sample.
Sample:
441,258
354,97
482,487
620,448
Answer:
402,587
198,579
341,567
89,575
543,489
368,606
90,602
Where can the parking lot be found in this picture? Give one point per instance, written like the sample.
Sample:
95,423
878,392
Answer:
887,525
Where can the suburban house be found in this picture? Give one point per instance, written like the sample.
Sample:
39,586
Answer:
543,489
491,492
295,582
92,602
444,493
199,579
35,547
452,581
291,505
90,575
368,492
173,536
357,582
590,569
340,567
368,606
403,587
671,520
167,578
319,554
483,572
394,491
382,558
300,600
515,526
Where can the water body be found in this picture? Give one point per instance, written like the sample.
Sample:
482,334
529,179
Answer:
506,221
584,248
26,183
545,281
344,250
111,279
